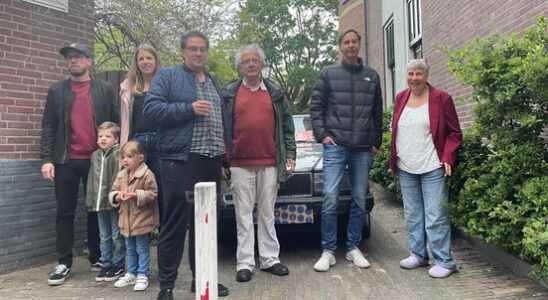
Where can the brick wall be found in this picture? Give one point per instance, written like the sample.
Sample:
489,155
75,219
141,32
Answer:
30,38
375,36
449,23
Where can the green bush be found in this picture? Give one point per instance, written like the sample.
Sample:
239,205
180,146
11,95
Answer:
499,190
379,172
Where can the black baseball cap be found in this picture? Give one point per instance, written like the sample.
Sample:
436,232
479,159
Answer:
81,48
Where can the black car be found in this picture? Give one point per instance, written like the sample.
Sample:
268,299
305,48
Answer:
299,198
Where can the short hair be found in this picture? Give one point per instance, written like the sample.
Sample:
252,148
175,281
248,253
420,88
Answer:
113,127
238,57
193,33
132,147
347,32
418,64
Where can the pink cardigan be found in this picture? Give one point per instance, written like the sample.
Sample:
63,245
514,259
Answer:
126,100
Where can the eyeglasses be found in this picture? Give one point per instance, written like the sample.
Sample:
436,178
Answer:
196,49
252,60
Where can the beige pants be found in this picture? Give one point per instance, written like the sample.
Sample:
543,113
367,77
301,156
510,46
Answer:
249,186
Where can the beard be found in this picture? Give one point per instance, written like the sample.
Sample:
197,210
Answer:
77,72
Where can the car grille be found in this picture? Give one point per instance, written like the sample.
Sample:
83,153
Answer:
297,184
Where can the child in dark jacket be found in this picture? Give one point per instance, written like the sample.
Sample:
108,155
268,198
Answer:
135,191
104,166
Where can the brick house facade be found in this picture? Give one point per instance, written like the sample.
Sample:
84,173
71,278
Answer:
31,33
442,23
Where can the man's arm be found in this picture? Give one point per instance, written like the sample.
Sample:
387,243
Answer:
318,106
377,115
288,129
158,108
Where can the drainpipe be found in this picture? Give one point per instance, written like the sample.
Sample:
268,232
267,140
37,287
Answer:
366,41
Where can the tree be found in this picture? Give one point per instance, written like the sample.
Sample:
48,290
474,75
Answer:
122,25
298,38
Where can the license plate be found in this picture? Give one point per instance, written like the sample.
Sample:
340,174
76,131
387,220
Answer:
293,214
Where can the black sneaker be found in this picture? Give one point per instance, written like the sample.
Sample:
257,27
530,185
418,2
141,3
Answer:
102,275
166,294
59,274
114,273
96,266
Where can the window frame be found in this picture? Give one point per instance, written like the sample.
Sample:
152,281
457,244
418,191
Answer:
60,5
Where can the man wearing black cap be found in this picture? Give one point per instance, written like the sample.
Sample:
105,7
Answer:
75,106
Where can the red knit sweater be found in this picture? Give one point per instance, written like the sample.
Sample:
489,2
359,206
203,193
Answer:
253,129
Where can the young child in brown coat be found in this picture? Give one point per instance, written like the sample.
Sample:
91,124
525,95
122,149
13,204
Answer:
135,191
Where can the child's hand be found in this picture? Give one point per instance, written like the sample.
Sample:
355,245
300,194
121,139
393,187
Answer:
131,196
119,197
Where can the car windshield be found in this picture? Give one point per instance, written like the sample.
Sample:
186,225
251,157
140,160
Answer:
303,129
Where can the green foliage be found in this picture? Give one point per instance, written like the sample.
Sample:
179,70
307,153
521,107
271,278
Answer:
379,172
499,190
298,37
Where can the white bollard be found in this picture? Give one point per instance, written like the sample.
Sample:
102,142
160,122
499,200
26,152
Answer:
205,224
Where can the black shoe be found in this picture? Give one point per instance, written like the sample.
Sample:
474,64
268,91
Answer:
96,266
102,274
222,291
114,273
243,275
277,269
166,294
59,274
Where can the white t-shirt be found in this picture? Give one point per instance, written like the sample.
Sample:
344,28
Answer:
414,144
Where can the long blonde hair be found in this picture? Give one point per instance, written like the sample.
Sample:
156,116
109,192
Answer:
134,76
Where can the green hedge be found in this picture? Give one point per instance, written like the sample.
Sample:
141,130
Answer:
500,187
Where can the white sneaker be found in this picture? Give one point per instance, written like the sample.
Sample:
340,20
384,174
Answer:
440,272
326,260
357,258
413,262
141,283
127,279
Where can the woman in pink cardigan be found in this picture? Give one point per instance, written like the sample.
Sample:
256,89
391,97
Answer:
425,138
133,92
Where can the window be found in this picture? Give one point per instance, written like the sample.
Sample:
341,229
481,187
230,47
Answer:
414,27
390,55
61,5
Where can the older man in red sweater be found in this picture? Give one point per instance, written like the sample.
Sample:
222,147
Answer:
261,151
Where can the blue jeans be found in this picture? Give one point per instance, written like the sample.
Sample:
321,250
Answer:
426,215
335,160
138,254
112,242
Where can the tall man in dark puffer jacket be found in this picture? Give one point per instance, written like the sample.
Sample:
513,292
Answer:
346,113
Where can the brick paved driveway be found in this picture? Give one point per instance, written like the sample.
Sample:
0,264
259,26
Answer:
476,279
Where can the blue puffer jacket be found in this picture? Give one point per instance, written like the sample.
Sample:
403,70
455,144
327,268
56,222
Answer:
169,105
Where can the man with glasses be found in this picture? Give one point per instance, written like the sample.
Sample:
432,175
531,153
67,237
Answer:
75,106
185,104
260,143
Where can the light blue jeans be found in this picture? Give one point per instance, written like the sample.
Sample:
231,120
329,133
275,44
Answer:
335,160
112,245
138,254
426,215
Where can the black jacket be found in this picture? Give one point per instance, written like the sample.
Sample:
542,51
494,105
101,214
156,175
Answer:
346,104
56,119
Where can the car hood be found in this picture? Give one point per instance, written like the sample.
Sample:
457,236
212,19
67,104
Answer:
309,157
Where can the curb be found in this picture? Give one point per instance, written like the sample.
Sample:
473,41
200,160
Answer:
496,255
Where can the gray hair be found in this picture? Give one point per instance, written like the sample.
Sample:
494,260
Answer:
418,64
238,57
